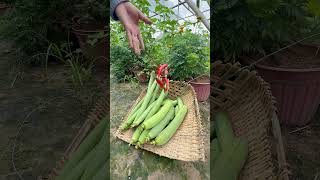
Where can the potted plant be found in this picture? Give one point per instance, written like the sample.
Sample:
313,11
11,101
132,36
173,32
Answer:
294,75
189,61
141,76
90,28
3,8
263,28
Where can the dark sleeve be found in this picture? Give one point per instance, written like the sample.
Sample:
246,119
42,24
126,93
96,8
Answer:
113,6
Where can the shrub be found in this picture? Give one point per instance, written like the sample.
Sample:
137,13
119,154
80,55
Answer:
255,26
28,24
29,21
189,56
123,61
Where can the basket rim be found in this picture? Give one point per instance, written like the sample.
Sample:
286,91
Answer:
274,121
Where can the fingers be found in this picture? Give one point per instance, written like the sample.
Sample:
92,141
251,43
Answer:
130,39
141,41
136,45
144,18
135,42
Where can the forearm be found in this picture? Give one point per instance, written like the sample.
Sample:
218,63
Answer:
113,5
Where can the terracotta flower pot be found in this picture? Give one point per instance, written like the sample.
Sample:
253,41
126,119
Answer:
100,50
201,86
295,82
4,8
141,76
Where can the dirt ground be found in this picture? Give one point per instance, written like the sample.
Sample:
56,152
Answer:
44,111
303,150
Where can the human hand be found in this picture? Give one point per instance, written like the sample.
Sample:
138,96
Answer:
130,16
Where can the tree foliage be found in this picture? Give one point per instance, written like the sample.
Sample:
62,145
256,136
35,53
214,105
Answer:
255,25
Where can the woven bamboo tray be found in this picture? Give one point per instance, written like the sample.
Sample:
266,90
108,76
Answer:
188,142
248,99
100,111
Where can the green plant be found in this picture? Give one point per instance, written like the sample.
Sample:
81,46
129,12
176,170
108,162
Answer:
81,68
123,61
242,26
8,1
95,37
93,10
314,7
28,23
312,29
160,49
154,52
93,14
189,56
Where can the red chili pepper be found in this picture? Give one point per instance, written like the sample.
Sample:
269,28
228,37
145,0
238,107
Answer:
160,82
166,81
162,68
161,78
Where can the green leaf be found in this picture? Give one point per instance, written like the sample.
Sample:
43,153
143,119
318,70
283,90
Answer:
314,7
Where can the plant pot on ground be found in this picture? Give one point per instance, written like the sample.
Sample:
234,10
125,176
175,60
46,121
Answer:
93,39
294,75
4,8
141,76
59,33
201,86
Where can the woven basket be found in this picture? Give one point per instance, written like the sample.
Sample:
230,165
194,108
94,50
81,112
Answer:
100,111
188,142
248,99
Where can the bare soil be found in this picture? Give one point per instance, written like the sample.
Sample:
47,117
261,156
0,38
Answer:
43,109
303,150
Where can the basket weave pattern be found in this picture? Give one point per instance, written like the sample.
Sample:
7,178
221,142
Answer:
188,142
251,105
